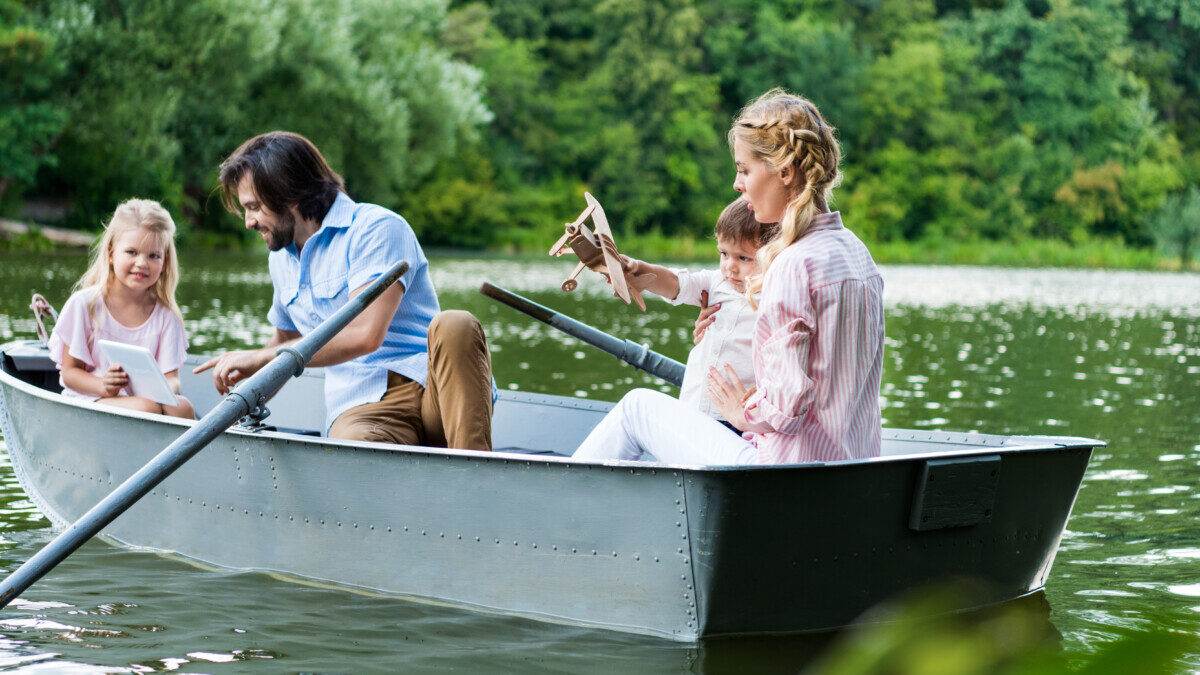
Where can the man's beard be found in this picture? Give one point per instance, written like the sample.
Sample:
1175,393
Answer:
283,233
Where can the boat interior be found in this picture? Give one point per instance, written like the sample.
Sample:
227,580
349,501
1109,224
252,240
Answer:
523,423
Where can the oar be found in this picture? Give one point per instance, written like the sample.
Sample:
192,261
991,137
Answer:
248,396
638,356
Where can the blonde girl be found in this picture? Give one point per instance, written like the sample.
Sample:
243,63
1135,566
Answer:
126,295
818,338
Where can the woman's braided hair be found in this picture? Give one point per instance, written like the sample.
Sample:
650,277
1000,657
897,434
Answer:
786,130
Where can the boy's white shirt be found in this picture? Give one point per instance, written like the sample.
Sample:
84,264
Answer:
728,340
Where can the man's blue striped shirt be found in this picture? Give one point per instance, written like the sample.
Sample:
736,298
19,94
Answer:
355,244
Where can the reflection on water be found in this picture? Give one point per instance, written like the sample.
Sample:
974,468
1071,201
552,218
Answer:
189,615
1111,355
173,615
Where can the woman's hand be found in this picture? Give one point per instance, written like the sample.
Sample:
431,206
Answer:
729,395
705,319
114,380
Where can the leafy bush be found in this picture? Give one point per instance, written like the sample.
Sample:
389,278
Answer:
1176,226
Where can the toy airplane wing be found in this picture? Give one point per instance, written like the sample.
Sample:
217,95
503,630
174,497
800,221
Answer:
571,230
612,260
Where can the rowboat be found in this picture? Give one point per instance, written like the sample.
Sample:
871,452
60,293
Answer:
681,552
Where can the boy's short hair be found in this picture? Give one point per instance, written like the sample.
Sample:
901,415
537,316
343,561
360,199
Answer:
736,223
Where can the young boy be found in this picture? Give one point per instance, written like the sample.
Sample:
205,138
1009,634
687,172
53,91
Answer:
728,339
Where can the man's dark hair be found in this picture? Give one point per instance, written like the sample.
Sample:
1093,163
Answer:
286,170
736,223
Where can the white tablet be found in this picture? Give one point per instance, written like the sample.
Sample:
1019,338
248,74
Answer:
145,379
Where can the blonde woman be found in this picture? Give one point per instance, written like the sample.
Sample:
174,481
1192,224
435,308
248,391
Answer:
127,295
818,339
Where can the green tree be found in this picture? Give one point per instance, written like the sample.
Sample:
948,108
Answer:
641,129
1086,116
161,90
31,116
120,101
1166,36
1176,226
753,49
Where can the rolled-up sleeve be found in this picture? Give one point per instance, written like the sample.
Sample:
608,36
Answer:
785,384
375,247
691,284
277,315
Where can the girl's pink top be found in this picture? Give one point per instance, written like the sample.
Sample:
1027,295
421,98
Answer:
78,333
818,351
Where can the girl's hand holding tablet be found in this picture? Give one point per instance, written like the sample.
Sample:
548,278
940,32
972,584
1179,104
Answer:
114,379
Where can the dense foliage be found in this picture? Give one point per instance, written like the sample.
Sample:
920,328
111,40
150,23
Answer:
483,122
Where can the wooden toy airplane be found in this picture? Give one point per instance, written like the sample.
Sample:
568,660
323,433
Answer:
596,250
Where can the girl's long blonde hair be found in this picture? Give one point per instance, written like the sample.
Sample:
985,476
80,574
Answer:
786,130
130,215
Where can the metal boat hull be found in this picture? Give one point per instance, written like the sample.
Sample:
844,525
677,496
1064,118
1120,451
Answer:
678,552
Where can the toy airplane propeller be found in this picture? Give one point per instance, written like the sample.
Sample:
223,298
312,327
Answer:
596,250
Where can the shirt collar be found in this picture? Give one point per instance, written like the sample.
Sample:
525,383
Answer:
339,214
338,217
826,221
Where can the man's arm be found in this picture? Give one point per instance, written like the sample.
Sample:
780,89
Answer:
281,336
362,336
365,333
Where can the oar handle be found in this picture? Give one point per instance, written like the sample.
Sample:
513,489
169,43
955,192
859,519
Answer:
637,355
246,396
518,302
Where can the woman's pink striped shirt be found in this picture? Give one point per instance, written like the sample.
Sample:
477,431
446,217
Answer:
818,350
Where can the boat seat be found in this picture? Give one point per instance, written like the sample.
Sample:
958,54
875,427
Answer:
31,363
290,430
525,451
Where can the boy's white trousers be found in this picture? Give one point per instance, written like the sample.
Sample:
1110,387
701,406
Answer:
645,422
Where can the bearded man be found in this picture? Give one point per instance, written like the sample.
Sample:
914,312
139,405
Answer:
403,371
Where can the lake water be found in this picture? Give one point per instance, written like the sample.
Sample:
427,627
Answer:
1109,355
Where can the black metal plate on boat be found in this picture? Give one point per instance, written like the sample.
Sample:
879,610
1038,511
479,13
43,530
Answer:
29,358
955,492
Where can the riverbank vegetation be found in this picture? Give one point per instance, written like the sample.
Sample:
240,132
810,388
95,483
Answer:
1096,253
975,131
